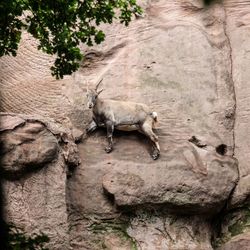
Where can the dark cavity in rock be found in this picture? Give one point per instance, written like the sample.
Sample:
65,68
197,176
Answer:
221,149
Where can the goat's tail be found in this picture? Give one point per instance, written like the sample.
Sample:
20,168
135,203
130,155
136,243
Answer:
154,116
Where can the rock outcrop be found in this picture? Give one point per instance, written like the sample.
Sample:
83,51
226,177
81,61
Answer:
238,24
190,181
26,146
187,61
33,175
241,241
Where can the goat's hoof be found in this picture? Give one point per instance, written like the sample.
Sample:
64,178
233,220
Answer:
108,149
155,155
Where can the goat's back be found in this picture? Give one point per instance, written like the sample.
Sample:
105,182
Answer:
125,112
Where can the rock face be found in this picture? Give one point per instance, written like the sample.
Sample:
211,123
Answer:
241,241
238,32
168,232
190,181
34,177
177,59
26,147
189,63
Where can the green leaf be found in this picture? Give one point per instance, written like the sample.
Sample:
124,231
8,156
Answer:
60,26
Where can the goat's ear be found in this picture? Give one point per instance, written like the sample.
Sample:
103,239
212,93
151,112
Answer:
99,92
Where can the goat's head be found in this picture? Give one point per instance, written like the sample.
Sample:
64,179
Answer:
92,95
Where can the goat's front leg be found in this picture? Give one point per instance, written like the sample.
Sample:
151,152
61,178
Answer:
110,129
91,127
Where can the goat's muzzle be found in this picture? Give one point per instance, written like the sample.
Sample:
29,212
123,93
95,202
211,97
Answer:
90,105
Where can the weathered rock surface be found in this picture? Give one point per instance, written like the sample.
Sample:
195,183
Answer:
190,64
193,96
177,59
160,232
241,241
237,26
33,176
234,229
238,29
190,180
26,147
22,134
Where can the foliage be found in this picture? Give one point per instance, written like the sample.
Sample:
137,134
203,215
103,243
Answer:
60,26
17,240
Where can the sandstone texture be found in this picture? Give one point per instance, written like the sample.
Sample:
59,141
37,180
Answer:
189,63
238,31
34,176
170,232
27,146
241,241
191,181
234,229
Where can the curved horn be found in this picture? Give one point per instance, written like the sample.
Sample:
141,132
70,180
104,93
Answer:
98,84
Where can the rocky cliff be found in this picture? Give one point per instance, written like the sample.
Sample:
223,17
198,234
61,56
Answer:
189,63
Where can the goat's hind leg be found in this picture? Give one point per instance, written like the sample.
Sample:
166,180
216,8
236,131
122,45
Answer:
110,130
147,130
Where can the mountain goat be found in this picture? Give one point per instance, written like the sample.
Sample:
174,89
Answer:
120,115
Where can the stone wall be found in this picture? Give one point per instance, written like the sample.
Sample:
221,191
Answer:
189,63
